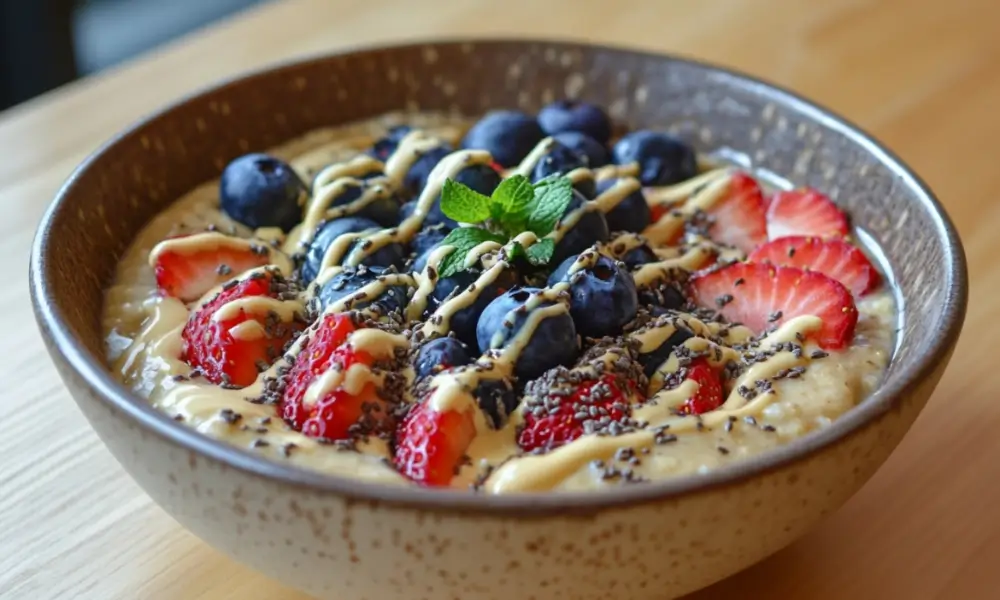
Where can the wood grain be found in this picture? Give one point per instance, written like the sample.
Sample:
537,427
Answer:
923,75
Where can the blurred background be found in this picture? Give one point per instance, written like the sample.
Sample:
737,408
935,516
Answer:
46,43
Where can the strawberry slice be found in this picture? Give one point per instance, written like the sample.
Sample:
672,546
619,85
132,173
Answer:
762,296
804,212
431,445
608,397
740,215
188,267
709,395
233,350
338,412
832,257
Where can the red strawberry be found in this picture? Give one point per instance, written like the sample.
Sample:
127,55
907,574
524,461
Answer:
225,354
740,215
431,445
709,395
804,212
607,396
833,257
760,296
188,271
339,412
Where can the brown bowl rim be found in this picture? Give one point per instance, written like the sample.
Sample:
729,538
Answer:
886,398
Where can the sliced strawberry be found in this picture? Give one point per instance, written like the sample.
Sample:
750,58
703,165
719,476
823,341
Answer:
762,296
188,270
605,397
832,257
233,350
430,445
804,212
739,216
338,412
709,395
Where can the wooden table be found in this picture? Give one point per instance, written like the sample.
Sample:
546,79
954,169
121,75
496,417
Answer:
923,75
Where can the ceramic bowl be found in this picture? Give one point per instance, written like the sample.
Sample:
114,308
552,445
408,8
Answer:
347,539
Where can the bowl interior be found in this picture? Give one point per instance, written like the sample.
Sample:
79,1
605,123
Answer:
140,172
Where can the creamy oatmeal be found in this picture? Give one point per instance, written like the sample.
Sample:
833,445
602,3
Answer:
611,361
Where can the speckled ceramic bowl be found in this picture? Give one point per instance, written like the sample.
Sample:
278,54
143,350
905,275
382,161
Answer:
351,540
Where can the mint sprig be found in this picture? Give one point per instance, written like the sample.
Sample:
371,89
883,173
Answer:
515,206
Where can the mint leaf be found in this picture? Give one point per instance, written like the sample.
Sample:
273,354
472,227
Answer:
464,204
540,253
464,239
552,195
514,195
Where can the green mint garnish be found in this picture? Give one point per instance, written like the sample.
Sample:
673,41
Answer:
464,239
515,206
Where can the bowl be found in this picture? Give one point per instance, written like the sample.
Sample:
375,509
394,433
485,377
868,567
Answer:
334,537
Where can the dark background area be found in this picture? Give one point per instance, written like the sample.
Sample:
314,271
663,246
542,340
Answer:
46,43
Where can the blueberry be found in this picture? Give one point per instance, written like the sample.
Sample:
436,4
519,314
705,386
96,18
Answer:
508,136
258,190
581,143
383,148
638,256
384,210
481,178
416,178
662,298
553,342
424,243
440,354
569,115
586,186
558,160
663,159
433,218
391,254
497,398
463,321
588,230
653,359
352,279
603,297
632,214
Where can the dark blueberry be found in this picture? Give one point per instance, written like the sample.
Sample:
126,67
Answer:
416,178
663,159
481,178
383,148
440,354
653,359
433,218
632,214
588,230
363,176
424,243
558,160
261,191
508,135
553,341
586,186
497,398
596,152
662,298
391,254
569,115
352,279
384,210
638,256
602,296
463,322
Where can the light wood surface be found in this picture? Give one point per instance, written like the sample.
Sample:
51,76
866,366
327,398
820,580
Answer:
923,75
